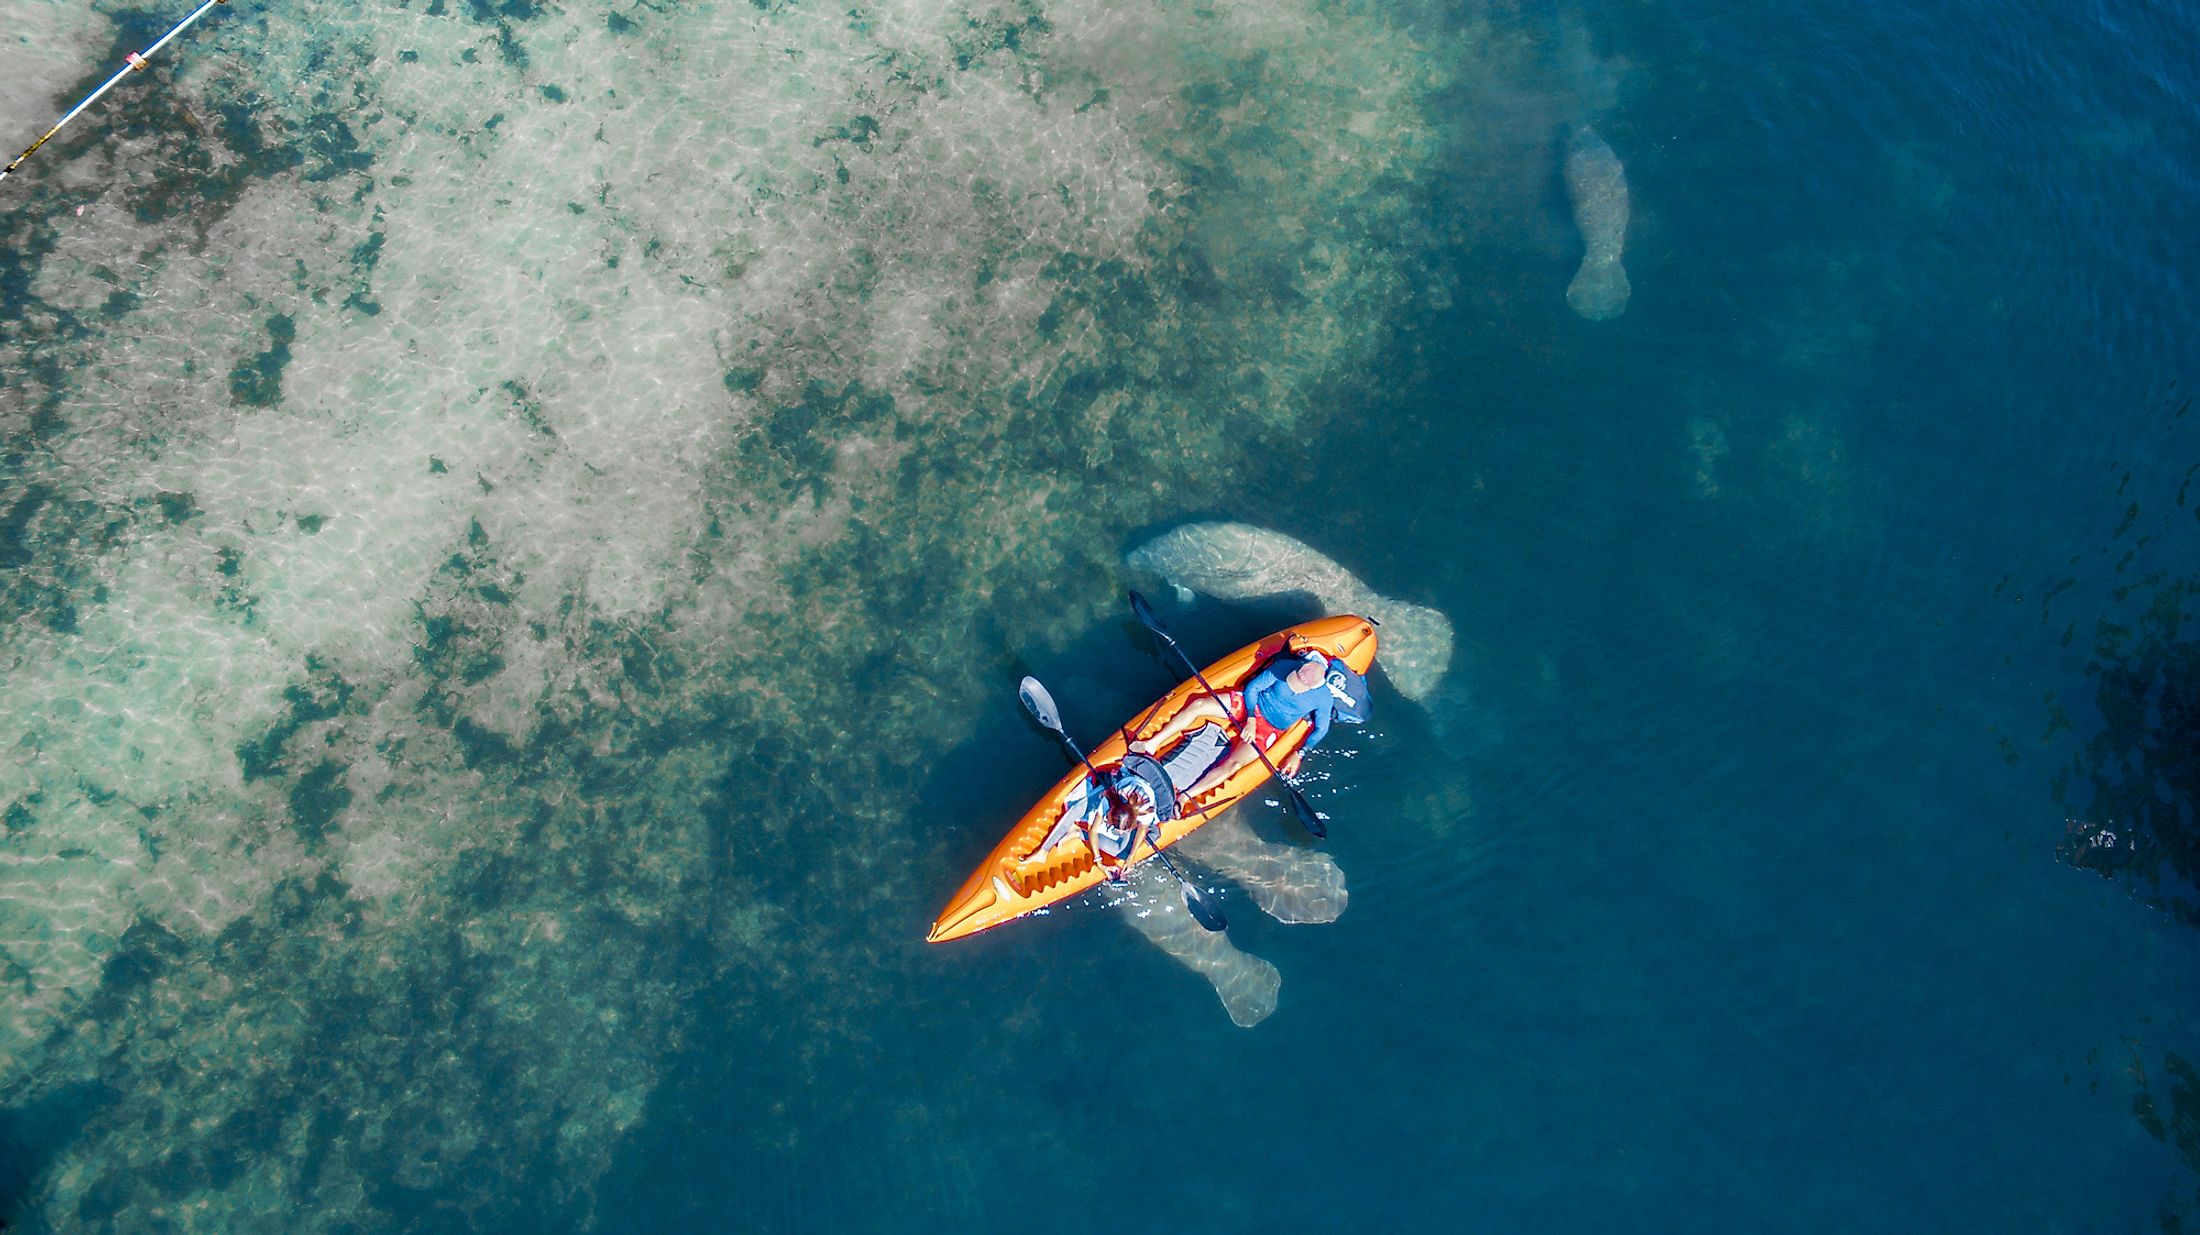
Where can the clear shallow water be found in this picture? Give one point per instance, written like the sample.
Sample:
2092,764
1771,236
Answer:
488,760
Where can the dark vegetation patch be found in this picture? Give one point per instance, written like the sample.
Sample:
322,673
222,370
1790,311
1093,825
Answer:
2167,1105
177,507
463,622
500,16
232,596
44,577
318,798
2142,770
365,256
15,518
481,746
322,695
120,304
981,38
793,441
258,381
145,951
332,149
858,132
210,149
527,408
509,48
195,181
2132,793
495,12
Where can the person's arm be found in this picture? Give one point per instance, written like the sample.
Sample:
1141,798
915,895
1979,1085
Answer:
1263,682
1322,714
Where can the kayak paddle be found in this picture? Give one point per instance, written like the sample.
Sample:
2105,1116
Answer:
1299,805
1041,706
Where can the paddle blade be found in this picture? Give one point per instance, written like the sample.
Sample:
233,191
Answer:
1304,809
1146,616
1204,911
1040,704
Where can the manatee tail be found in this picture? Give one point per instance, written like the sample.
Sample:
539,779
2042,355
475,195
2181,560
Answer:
1600,289
1246,984
1416,640
1416,645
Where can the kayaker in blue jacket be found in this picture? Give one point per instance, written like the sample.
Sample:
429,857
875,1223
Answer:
1290,689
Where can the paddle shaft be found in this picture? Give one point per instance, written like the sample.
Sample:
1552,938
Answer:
1041,706
1300,807
1053,722
1190,901
1108,787
1205,914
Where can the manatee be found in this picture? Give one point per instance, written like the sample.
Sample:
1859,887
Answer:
1245,983
1598,185
1293,885
1237,561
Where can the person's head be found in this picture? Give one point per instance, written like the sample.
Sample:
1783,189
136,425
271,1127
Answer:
1121,815
1310,671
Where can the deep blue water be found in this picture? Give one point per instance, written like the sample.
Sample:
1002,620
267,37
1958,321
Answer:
1755,920
1729,885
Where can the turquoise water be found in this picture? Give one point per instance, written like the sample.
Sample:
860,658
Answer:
521,526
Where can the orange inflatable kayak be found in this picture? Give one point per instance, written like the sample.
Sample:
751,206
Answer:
1019,876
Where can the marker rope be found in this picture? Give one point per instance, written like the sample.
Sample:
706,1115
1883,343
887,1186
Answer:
134,62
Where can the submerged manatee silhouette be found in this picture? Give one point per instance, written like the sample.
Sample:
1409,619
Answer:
1598,185
1237,561
1290,883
